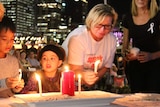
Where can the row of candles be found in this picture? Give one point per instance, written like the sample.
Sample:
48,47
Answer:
67,81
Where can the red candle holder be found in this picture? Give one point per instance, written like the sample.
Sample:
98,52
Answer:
68,83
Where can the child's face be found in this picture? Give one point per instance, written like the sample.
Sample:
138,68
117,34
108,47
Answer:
50,61
6,41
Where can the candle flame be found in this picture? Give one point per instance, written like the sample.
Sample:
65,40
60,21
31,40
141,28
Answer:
97,62
96,65
66,68
79,76
37,77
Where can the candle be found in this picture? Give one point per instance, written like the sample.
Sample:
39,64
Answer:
20,75
61,82
39,84
68,86
79,83
96,65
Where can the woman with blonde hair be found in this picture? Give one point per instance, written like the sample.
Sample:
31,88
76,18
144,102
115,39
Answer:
143,27
91,42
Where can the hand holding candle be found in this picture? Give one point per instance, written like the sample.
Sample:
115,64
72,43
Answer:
39,84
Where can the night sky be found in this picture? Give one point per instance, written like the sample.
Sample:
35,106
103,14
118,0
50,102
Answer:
121,6
74,9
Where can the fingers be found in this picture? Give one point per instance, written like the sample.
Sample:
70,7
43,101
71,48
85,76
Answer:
13,82
144,57
90,77
6,93
91,81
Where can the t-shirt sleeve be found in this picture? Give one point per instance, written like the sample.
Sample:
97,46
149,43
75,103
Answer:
75,51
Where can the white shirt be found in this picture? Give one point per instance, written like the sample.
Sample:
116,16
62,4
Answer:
82,49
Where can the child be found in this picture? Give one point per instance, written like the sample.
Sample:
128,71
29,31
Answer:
51,58
9,64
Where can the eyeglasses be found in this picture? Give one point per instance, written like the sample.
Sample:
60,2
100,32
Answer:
106,27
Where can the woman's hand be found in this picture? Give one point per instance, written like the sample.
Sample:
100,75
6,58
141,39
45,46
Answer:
143,57
90,77
130,57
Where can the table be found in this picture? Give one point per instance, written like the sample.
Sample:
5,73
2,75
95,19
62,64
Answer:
56,99
111,100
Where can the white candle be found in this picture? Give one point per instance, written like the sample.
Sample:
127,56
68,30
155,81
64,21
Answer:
79,83
20,75
61,79
39,84
96,65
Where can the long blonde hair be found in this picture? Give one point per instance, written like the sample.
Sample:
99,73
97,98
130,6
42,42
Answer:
152,6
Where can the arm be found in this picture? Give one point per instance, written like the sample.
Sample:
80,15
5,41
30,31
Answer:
147,56
89,78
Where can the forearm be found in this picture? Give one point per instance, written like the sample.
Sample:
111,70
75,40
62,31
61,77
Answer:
102,71
155,55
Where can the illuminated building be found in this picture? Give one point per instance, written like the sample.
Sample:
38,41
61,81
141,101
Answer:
22,13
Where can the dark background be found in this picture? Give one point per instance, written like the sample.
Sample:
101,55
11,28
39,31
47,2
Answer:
74,9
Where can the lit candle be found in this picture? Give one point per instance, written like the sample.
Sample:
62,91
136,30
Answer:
20,75
39,84
96,65
79,83
61,82
68,86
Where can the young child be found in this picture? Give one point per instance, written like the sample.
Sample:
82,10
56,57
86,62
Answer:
51,58
9,64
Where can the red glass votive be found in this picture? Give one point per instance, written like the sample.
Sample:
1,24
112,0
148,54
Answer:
68,83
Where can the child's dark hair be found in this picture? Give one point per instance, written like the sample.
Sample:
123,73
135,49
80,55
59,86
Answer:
6,24
56,49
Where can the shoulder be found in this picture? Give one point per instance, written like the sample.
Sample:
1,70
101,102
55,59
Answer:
11,57
80,34
111,36
76,32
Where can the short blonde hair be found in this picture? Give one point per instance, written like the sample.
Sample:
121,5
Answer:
98,13
152,6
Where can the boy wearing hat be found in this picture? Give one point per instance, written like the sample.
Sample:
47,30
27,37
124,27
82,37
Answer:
51,58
